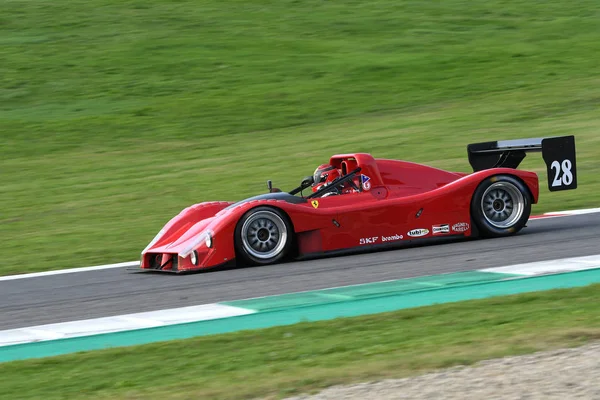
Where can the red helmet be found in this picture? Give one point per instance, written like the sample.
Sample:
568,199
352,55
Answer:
324,174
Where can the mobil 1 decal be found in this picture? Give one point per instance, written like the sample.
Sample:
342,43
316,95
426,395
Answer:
559,156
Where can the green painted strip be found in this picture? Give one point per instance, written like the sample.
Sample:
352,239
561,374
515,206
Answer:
369,290
369,305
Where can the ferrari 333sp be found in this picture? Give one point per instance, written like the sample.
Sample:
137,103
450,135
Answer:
356,200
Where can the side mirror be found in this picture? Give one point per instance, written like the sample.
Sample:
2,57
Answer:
271,188
307,181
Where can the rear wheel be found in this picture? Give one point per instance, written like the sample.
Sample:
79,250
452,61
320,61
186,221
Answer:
263,236
501,206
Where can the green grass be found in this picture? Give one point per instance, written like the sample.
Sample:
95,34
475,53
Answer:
115,115
284,361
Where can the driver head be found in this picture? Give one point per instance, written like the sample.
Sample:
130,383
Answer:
324,174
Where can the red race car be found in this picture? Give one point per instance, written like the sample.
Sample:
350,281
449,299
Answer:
357,201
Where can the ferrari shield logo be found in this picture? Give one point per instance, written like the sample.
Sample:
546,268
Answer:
315,203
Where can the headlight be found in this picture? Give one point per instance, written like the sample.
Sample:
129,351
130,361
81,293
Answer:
194,257
205,237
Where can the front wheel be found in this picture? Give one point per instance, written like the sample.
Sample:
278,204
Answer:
501,206
263,236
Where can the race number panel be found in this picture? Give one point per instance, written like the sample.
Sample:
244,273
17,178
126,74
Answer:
559,156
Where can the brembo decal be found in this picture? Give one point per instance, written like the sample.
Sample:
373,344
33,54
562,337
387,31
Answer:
374,239
391,238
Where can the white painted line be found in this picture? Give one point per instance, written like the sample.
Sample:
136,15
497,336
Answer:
40,333
549,267
69,271
120,323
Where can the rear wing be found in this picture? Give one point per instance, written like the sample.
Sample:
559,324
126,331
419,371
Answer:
558,154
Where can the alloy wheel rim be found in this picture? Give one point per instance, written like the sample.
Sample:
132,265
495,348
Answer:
503,205
264,235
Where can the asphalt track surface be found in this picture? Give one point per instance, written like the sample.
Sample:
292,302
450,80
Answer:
93,294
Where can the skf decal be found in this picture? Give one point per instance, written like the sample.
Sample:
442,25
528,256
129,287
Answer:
315,203
391,238
445,228
365,182
369,240
460,227
418,232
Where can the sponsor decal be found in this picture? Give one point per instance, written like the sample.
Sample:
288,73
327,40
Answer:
418,232
445,228
366,184
369,240
460,227
391,238
315,203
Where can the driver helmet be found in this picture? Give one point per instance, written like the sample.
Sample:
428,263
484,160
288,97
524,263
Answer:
323,175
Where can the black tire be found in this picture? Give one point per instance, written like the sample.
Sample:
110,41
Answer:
264,235
500,206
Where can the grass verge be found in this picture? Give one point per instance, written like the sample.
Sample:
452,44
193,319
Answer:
116,115
284,361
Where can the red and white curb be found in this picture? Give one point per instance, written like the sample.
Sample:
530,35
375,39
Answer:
566,213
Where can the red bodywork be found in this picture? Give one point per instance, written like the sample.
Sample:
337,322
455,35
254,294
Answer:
402,197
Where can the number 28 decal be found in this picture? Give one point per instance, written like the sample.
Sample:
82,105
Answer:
561,162
562,173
